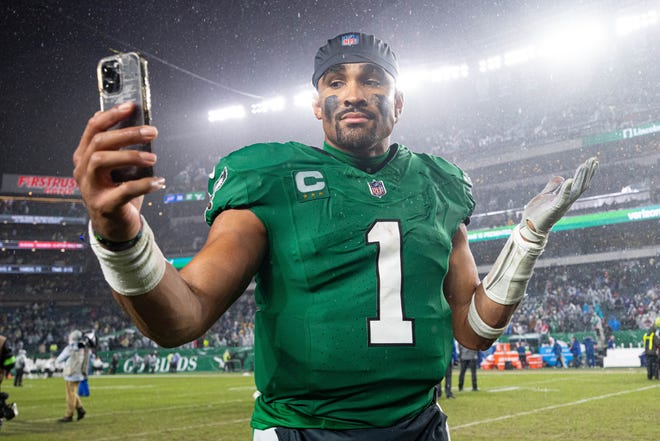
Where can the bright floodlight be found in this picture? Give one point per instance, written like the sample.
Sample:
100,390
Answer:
520,55
633,23
225,113
510,58
449,73
574,41
270,105
304,98
491,63
411,79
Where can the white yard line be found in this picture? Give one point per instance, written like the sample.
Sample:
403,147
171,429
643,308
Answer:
555,406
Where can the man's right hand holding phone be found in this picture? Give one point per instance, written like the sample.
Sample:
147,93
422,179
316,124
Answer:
114,208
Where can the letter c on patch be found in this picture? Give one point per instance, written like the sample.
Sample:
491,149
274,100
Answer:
307,181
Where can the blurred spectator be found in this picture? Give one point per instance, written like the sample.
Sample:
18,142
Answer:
114,364
151,362
576,350
19,366
557,350
469,359
75,358
651,346
521,348
589,351
137,362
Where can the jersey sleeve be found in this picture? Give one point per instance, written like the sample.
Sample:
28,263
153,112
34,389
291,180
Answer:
239,180
252,178
466,186
455,183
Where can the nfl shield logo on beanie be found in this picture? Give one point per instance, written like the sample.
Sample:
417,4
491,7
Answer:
354,47
350,40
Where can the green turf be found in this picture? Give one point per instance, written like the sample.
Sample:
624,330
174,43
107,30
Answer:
539,405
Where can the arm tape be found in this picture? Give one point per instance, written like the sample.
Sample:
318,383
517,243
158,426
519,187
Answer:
134,271
480,327
507,280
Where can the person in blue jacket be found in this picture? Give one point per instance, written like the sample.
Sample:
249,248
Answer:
556,349
589,351
576,350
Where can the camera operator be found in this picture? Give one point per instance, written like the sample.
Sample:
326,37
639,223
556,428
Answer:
76,358
7,360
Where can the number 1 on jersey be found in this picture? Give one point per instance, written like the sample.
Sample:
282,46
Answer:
390,327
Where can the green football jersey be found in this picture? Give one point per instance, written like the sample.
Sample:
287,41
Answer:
352,328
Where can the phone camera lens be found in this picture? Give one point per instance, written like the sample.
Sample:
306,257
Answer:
111,78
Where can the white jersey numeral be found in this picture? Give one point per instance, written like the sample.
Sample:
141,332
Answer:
390,327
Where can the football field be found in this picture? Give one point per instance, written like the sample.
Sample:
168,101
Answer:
532,405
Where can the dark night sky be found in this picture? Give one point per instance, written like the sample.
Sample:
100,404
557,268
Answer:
50,49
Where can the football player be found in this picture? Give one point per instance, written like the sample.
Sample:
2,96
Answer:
359,249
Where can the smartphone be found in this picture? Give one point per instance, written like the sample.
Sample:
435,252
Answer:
124,77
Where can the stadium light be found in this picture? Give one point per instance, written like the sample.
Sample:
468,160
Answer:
411,79
304,98
490,64
520,55
573,41
450,73
226,113
632,23
276,104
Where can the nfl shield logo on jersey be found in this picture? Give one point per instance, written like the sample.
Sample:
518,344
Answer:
377,188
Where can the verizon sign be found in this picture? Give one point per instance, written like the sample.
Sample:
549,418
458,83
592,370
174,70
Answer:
39,185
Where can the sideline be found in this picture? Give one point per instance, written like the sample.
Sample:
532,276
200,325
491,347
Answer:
555,406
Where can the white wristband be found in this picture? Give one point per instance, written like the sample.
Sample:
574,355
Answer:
134,271
480,327
506,282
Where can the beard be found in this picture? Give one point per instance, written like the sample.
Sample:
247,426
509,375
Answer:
356,139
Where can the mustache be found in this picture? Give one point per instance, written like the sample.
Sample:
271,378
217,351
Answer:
366,113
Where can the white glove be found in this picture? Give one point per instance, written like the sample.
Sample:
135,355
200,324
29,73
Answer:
506,282
546,208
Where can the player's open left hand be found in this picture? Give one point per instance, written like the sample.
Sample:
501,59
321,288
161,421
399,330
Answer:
546,208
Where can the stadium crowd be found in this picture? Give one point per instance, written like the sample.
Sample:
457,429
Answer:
600,298
43,327
609,297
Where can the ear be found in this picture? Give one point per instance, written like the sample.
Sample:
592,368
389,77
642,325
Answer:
398,104
317,108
